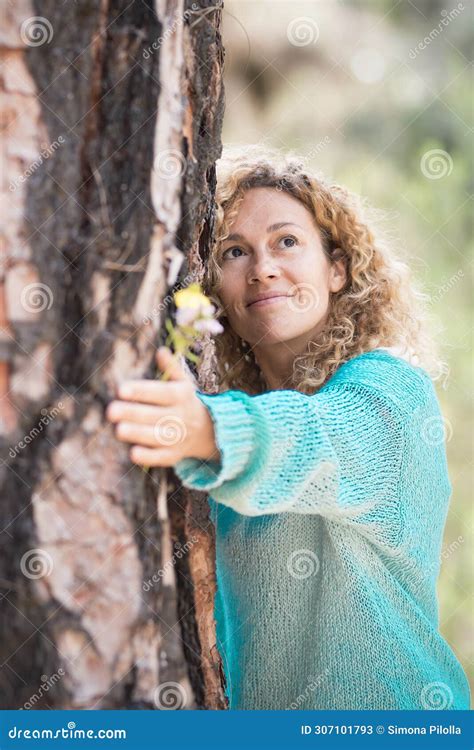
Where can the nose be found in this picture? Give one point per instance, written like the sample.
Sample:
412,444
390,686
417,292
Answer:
263,267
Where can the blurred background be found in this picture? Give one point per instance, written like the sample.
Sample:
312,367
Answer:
376,94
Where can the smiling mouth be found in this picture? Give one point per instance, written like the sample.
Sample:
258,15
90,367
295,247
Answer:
267,301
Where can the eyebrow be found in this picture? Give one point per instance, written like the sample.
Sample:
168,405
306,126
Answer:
271,228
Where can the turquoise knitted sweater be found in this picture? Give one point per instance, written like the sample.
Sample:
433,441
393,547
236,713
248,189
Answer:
329,512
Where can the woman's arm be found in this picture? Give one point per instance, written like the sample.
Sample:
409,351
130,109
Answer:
337,453
286,451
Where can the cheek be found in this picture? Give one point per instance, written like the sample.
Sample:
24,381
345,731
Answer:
310,297
231,290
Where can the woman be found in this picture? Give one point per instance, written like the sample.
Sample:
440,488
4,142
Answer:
321,453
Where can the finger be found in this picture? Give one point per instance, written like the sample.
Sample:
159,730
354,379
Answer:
169,365
150,392
125,411
166,432
129,432
152,457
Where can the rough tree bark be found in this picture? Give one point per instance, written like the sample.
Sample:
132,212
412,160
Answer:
112,118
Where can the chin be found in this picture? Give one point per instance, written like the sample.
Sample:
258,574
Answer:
277,334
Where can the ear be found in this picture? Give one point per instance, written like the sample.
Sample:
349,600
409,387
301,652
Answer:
337,272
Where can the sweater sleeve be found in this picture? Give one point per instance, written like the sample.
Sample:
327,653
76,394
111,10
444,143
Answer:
337,453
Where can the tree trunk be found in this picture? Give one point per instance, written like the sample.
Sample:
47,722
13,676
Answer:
112,120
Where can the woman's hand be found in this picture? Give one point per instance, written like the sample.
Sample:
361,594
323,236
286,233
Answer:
164,420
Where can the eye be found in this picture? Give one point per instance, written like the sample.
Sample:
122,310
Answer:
291,238
230,250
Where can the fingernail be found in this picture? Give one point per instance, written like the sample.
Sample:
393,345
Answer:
125,391
111,410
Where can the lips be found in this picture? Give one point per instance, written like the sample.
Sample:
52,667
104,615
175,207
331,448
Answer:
267,299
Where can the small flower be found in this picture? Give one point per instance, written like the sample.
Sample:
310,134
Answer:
208,325
186,316
195,310
191,297
194,316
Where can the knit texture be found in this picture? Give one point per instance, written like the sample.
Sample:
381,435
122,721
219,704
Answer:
329,512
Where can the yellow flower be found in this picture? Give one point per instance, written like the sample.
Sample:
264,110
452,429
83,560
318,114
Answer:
195,311
192,297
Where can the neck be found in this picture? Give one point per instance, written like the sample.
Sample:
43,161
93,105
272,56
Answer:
276,360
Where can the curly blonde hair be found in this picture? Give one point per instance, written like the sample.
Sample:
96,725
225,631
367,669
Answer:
379,306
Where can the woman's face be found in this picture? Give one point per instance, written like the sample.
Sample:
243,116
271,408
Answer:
275,248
